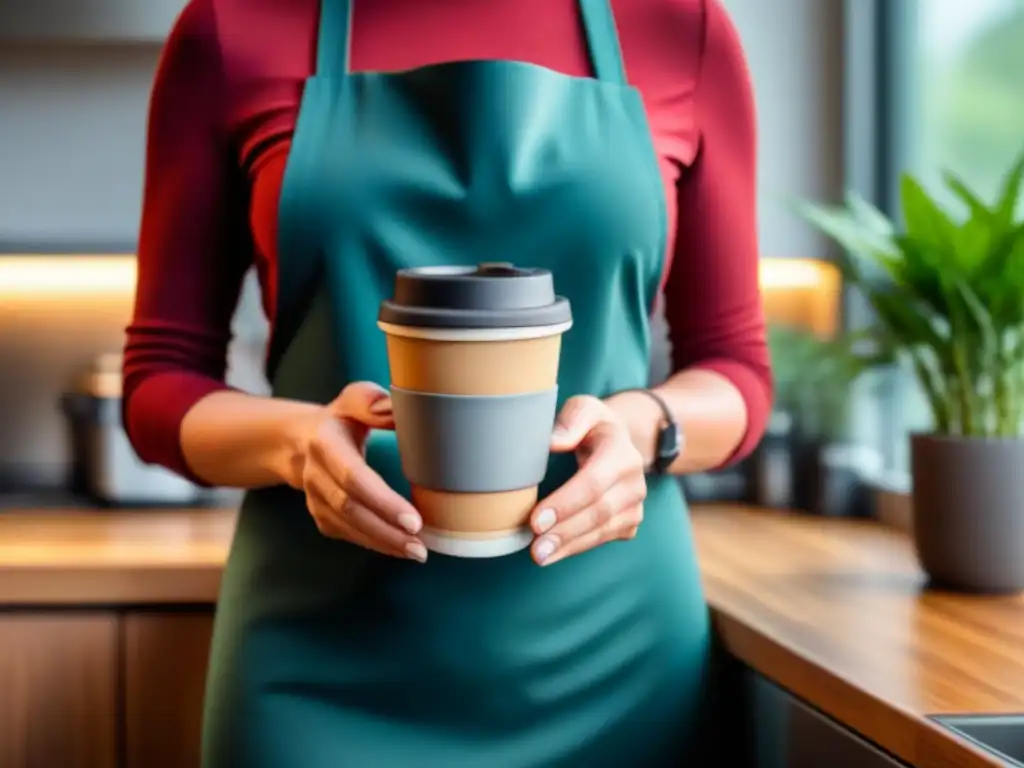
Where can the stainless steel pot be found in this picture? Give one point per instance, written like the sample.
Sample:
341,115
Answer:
104,464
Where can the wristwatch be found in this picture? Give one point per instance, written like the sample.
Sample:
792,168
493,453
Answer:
669,443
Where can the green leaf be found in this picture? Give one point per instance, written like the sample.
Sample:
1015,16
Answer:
925,220
999,283
843,228
1009,200
924,270
815,377
868,215
975,205
906,321
971,245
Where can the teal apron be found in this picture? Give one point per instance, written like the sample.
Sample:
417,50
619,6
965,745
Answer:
329,656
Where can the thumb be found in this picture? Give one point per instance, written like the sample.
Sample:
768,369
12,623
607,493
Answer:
577,418
364,403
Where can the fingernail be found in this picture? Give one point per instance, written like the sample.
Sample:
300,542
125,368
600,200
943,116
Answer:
380,407
545,520
410,521
544,548
416,551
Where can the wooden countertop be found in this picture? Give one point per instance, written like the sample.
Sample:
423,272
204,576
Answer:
833,611
100,557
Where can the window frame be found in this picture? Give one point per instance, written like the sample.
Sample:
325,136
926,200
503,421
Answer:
879,121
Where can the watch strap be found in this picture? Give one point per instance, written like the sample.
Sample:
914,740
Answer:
668,445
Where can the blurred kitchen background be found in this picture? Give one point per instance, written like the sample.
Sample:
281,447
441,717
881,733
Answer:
844,91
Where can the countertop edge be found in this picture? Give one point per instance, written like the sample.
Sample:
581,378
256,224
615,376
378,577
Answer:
109,585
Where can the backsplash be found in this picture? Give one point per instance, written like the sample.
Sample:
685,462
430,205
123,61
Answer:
56,315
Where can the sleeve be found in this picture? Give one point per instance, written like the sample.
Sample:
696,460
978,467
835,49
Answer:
712,296
193,245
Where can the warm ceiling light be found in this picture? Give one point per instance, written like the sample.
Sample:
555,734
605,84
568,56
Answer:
796,273
28,276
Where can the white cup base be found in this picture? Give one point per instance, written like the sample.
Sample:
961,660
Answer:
437,541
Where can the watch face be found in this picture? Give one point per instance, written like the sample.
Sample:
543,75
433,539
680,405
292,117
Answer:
669,446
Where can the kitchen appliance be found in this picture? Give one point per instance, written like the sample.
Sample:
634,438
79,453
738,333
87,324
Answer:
104,464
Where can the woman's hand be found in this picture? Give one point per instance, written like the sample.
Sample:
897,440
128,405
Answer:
604,500
346,498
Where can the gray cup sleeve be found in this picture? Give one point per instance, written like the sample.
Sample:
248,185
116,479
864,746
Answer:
474,444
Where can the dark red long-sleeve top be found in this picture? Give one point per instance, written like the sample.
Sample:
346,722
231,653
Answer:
222,113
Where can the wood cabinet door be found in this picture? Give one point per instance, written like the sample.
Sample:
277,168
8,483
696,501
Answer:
58,690
165,660
791,734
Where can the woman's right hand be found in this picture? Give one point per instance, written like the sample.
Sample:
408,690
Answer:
347,499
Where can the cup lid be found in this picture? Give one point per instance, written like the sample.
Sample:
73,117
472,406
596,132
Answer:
489,295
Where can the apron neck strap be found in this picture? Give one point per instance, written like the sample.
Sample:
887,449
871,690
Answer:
334,39
334,43
603,41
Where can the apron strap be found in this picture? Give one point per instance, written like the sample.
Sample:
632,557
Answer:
334,43
334,38
603,41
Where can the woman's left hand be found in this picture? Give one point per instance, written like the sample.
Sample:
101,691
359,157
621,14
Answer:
604,500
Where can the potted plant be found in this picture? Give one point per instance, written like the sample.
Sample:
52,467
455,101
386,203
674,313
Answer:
770,467
815,380
948,293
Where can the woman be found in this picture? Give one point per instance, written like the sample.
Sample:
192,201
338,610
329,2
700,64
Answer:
628,171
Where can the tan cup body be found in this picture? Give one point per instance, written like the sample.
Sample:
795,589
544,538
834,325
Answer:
474,367
501,367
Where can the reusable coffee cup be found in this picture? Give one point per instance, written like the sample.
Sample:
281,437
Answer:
473,354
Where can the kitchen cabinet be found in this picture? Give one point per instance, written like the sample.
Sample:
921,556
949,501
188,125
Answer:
791,734
165,661
88,21
58,690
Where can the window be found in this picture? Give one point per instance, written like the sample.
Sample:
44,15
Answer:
962,110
